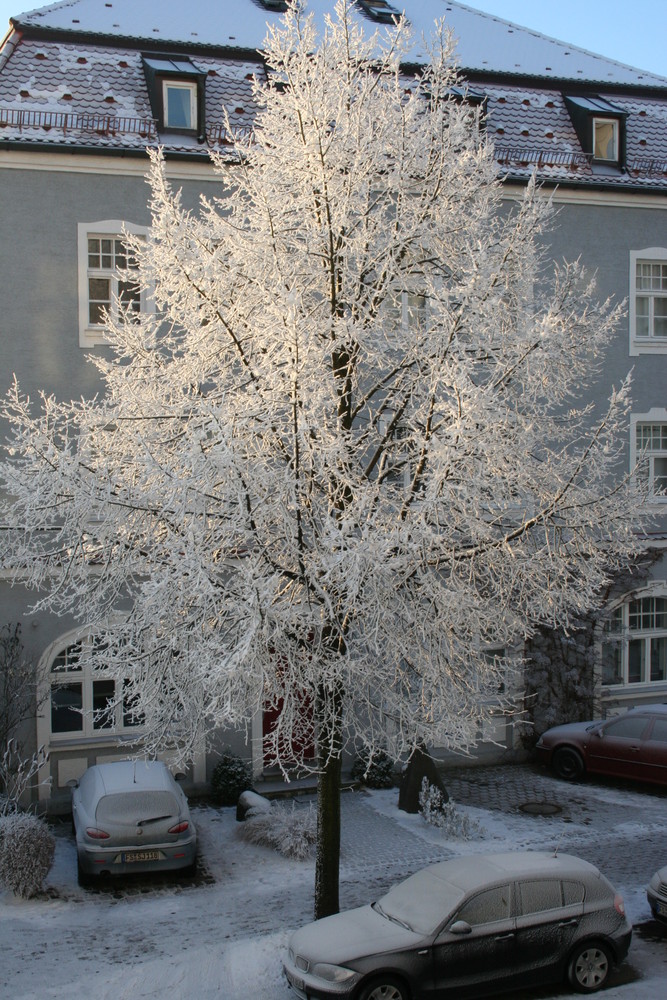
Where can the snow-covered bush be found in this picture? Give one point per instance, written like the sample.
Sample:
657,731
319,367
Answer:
231,776
378,772
446,816
26,853
291,832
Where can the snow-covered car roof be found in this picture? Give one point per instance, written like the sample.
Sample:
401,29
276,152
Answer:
131,775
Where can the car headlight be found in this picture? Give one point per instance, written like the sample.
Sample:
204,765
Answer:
333,973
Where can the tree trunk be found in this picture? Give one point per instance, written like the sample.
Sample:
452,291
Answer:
327,865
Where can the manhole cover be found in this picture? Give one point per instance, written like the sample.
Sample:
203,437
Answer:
540,808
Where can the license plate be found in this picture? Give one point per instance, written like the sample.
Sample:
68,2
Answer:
297,983
128,857
662,909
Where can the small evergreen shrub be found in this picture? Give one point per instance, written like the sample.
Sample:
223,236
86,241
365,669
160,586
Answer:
291,832
231,776
26,853
378,772
445,815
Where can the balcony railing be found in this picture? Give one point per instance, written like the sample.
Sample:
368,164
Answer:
107,125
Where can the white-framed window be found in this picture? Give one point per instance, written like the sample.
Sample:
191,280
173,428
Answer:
606,140
84,699
634,649
648,452
648,301
107,276
179,101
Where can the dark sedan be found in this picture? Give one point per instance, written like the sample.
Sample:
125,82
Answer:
631,745
468,927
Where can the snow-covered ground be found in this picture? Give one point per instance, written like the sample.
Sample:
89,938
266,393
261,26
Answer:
223,937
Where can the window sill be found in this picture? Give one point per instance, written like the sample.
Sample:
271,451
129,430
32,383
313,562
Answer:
647,345
66,742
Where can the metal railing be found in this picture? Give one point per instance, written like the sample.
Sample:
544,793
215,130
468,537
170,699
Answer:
65,122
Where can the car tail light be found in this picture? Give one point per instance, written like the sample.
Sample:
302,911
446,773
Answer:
95,834
619,905
179,828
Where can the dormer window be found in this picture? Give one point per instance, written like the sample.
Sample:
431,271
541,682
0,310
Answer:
176,91
278,6
379,10
600,127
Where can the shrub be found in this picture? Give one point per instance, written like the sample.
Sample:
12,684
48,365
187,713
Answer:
26,853
291,832
378,772
231,776
445,815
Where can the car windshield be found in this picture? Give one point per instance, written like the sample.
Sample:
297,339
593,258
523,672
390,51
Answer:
141,807
421,903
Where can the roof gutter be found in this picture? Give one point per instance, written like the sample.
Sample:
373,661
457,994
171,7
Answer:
9,43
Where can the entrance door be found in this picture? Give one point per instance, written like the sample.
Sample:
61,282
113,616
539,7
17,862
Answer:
301,744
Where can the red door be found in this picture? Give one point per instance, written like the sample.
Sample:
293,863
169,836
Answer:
301,744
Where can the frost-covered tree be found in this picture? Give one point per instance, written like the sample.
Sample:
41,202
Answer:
349,449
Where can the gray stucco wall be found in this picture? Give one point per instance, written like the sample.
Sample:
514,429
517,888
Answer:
39,340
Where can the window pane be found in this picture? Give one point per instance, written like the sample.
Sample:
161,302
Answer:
635,661
659,659
605,142
103,696
573,892
66,705
129,295
494,904
612,663
131,714
93,253
67,659
659,475
627,727
99,296
539,896
659,731
660,317
178,112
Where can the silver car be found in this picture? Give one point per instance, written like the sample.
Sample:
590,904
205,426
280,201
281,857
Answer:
657,895
131,816
469,927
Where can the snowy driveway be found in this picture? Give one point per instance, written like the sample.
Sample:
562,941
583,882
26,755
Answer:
224,939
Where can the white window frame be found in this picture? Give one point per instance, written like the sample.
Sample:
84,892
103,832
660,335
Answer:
79,672
616,138
637,629
191,88
644,344
657,415
92,334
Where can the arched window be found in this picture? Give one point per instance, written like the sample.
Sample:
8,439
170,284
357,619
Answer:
85,700
634,650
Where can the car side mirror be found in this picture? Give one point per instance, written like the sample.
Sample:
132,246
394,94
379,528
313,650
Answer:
460,927
72,783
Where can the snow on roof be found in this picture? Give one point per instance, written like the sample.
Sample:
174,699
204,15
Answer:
485,43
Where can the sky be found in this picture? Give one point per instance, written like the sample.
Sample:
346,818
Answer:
630,33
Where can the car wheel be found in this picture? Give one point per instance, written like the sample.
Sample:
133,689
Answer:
385,988
82,877
568,764
589,967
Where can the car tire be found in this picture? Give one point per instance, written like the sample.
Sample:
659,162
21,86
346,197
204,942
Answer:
589,967
567,764
83,878
384,988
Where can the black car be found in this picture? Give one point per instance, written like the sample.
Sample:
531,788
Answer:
469,927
